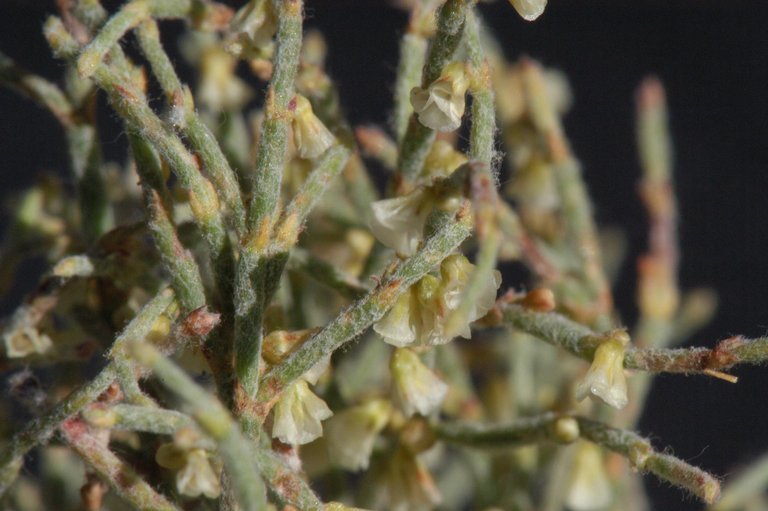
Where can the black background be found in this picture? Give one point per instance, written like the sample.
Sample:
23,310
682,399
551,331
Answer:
713,58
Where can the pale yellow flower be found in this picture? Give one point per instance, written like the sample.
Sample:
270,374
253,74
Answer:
589,488
441,105
351,434
298,415
310,135
407,485
399,222
529,10
416,387
605,379
194,474
25,341
220,88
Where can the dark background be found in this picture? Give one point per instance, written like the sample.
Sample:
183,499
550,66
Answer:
713,58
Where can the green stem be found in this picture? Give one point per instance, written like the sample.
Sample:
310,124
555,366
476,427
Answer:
120,475
267,270
413,52
273,143
131,104
128,17
178,261
215,420
544,428
192,127
41,429
582,342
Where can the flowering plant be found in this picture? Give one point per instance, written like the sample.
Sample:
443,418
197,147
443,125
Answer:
275,320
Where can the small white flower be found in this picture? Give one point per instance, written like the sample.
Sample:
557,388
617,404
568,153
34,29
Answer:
351,434
298,415
399,222
197,477
416,387
25,341
310,135
529,10
605,379
441,105
589,488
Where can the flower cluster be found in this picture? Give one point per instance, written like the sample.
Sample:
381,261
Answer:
419,315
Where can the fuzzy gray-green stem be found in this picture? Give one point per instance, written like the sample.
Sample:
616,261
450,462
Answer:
39,430
131,104
128,17
192,127
418,138
482,182
273,143
413,52
296,212
38,89
582,342
120,475
254,270
544,428
366,311
215,420
178,261
248,329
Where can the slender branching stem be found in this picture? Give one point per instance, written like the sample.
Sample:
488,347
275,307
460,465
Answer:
117,473
273,144
190,125
582,342
215,420
545,428
41,429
